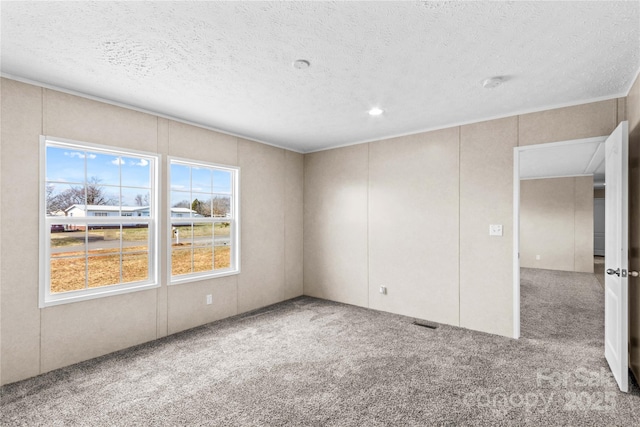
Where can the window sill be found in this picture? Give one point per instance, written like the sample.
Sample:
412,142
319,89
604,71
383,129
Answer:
177,280
85,295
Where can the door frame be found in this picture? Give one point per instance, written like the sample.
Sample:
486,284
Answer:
516,213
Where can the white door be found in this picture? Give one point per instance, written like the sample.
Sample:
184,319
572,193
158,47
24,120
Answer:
616,315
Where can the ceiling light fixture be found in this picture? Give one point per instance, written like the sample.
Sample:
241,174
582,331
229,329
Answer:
492,82
301,64
375,111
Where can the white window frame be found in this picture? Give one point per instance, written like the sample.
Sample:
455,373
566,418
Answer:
234,220
46,298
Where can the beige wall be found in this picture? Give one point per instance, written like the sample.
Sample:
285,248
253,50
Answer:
556,224
38,340
413,214
335,226
486,197
633,116
413,203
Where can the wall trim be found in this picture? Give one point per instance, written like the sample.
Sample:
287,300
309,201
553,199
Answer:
415,132
138,109
516,113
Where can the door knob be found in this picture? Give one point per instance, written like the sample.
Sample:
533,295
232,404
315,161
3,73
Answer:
611,272
634,273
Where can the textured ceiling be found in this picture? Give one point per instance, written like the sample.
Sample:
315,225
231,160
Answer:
228,65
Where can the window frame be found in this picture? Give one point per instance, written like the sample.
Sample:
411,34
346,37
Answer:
234,220
48,299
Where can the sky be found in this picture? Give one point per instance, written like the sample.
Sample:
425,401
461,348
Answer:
65,167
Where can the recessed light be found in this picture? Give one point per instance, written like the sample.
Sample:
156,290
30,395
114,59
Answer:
492,82
301,64
375,111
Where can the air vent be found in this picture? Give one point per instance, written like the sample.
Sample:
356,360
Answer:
425,324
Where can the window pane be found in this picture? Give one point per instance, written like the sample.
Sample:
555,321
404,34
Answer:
103,169
201,204
222,257
67,274
99,194
202,259
136,172
136,198
180,261
180,177
135,238
59,198
222,234
182,234
222,245
180,204
67,240
200,180
221,206
104,239
202,234
104,270
65,165
135,267
222,181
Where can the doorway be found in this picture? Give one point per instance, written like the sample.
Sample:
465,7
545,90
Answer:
615,150
574,158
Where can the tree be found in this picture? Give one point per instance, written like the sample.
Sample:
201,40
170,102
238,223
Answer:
142,200
221,206
96,194
201,208
182,204
91,194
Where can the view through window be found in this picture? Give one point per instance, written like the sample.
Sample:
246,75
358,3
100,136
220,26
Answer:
100,220
203,219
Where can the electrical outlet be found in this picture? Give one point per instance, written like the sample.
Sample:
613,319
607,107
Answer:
209,299
383,290
537,257
495,230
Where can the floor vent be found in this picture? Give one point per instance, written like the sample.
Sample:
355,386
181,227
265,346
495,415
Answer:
425,324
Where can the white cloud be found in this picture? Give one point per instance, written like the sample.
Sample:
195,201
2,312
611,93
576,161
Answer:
79,154
177,187
117,161
142,163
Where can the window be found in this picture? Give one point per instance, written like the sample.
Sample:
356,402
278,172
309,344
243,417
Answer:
203,205
91,245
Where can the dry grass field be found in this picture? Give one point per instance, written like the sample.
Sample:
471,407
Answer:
69,269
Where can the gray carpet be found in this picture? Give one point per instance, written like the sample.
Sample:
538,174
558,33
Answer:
319,363
598,269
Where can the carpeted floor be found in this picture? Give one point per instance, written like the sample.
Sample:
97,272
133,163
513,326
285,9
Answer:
598,269
309,362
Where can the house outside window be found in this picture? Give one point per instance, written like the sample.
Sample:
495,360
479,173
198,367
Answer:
204,213
91,244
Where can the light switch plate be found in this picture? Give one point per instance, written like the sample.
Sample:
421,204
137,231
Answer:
495,230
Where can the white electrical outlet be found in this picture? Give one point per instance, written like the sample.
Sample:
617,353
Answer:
383,290
495,230
209,299
537,257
